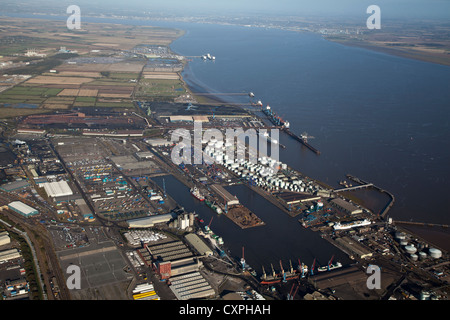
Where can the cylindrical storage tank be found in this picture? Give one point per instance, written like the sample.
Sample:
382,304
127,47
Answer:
435,253
414,257
422,255
403,243
424,295
400,236
410,249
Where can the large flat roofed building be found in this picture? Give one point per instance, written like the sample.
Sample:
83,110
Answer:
57,189
181,119
10,254
148,222
297,197
345,206
227,197
22,208
198,244
353,247
4,238
191,286
15,185
158,142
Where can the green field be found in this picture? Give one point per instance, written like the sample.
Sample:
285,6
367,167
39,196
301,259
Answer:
160,88
31,91
86,99
123,75
14,112
115,104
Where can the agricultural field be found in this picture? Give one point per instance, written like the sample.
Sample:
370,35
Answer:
160,89
80,68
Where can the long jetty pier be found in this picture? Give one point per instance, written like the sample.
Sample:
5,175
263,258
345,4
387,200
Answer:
365,184
302,141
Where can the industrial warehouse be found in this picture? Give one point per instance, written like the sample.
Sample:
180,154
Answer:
22,208
174,261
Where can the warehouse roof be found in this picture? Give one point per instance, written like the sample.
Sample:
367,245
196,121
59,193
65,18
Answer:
147,222
198,244
346,205
10,186
57,189
22,207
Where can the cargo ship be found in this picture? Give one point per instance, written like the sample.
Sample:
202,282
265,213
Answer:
351,224
283,276
279,122
330,267
274,118
196,193
212,205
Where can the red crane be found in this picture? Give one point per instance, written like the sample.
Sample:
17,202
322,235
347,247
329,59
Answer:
313,265
210,222
290,292
329,262
295,292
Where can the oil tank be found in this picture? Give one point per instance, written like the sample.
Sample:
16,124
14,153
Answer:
400,236
435,253
422,255
410,249
414,257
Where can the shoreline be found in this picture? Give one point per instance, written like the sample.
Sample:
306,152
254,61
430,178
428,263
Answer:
398,52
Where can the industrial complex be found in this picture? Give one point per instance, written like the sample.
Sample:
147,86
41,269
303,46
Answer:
85,184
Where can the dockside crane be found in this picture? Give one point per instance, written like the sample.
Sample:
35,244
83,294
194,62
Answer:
273,271
290,292
207,228
312,267
243,259
282,272
295,292
329,263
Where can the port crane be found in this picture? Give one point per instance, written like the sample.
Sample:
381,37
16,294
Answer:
243,259
282,272
305,136
290,292
207,228
329,263
292,295
312,267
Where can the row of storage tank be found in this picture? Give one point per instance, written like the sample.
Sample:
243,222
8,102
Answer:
264,173
417,252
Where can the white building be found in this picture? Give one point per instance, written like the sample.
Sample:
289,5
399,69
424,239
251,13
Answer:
4,238
57,189
22,208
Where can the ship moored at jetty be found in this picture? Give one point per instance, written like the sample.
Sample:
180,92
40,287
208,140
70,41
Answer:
196,193
280,122
351,224
283,276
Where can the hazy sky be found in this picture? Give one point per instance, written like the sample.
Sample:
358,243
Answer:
414,9
390,8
